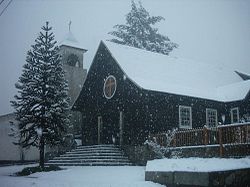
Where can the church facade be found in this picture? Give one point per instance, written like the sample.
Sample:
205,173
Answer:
130,93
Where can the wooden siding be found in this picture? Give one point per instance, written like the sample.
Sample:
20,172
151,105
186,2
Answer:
144,111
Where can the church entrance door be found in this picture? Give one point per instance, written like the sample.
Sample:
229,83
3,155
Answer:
108,129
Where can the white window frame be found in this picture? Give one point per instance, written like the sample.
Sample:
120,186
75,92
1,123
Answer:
180,117
208,110
238,114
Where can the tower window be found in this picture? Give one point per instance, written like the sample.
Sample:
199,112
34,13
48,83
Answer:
73,60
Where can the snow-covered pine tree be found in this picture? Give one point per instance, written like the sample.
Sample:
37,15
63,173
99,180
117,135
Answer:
41,105
139,32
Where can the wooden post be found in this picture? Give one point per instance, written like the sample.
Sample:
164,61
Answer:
99,129
174,141
205,135
83,130
220,141
245,134
121,127
242,134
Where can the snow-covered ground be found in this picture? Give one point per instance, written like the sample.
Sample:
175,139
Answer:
197,164
116,176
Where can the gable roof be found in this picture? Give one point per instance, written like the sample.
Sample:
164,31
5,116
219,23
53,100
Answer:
158,72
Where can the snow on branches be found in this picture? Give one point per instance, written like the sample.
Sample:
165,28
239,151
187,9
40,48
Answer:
41,106
161,151
140,33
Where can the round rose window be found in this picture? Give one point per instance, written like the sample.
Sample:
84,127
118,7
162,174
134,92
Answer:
109,87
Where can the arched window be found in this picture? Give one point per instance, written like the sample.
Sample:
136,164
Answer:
109,87
73,60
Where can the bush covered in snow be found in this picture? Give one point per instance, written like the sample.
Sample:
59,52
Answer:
30,170
163,151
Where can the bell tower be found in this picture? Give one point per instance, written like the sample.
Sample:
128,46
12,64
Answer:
72,59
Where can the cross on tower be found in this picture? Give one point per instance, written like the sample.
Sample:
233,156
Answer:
69,25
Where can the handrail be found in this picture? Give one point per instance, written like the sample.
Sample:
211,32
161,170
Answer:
238,133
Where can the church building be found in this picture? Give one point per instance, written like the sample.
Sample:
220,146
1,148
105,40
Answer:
130,93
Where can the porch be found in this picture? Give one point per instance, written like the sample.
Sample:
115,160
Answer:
231,140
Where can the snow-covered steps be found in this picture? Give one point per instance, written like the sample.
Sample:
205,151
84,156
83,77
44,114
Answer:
93,163
96,155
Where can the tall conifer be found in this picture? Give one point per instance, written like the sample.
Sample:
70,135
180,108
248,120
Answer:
41,105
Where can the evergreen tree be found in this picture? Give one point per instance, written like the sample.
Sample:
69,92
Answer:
138,32
41,106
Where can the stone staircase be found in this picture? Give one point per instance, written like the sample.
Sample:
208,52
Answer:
96,155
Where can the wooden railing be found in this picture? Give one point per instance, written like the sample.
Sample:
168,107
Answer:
223,134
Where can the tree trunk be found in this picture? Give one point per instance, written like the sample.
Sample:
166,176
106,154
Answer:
41,149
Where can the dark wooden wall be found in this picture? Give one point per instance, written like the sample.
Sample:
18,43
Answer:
144,111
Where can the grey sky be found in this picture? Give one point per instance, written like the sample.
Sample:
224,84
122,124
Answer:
210,31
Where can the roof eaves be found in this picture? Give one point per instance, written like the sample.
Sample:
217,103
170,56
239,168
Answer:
121,67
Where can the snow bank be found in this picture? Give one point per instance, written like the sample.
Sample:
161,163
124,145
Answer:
197,164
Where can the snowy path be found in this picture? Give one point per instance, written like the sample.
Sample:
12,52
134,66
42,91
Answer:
116,176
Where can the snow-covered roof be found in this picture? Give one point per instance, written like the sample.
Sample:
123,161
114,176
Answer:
154,71
70,40
233,92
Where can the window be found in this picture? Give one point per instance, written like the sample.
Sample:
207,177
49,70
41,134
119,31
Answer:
73,60
185,117
109,87
211,117
234,115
